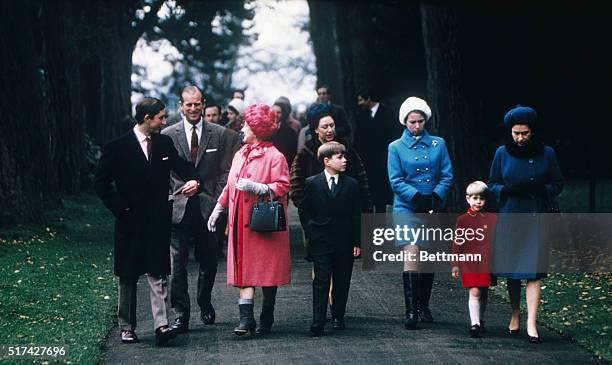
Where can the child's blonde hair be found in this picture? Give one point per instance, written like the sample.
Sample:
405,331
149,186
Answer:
476,188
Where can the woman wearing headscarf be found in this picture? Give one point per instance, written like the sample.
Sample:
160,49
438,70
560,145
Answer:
255,258
526,178
421,176
234,116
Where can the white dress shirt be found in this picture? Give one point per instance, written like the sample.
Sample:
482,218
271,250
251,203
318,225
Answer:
189,129
328,178
142,140
373,110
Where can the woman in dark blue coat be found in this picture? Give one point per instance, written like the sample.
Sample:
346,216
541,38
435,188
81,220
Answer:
525,177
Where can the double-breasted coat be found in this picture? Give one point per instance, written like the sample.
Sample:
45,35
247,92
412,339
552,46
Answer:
417,166
256,258
124,180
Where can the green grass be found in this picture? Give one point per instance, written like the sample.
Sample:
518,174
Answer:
578,306
56,281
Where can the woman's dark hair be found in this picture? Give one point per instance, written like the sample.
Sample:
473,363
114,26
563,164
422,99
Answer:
148,106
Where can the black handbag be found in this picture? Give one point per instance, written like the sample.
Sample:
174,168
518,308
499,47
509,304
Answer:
268,216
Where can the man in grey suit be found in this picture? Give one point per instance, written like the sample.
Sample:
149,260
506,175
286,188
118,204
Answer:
211,148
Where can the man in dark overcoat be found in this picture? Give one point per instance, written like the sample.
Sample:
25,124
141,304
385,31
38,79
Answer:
132,181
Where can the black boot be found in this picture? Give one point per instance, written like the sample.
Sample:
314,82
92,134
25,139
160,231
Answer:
266,318
410,323
425,285
247,320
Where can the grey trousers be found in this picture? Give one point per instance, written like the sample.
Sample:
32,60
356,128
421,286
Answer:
158,294
192,232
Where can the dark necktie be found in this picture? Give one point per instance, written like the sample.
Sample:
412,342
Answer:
149,148
333,186
194,144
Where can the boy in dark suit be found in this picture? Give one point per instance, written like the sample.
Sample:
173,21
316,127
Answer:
330,216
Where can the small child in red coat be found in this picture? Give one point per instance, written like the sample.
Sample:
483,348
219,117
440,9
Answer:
476,274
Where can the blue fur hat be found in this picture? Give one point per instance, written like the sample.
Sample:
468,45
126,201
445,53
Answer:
520,115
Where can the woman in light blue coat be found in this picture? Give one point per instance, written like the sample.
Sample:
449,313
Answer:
526,179
421,175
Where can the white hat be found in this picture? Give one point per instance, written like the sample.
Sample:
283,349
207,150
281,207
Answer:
411,104
238,105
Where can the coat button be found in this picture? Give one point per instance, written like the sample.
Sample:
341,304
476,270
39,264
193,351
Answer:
420,180
531,178
427,169
428,180
425,157
248,175
530,161
422,146
414,148
416,158
418,170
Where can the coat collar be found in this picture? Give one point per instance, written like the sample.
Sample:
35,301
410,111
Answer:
251,151
409,141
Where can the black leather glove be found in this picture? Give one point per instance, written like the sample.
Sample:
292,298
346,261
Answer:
422,203
437,202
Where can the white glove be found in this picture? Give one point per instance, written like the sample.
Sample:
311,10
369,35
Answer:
252,186
214,216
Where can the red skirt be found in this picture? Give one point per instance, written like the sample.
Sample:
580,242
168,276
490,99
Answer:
469,280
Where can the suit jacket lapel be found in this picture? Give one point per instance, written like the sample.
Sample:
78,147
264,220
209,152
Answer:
204,139
182,140
322,182
135,146
339,185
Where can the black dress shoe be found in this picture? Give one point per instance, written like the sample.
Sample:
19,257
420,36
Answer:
208,316
513,332
426,316
128,337
316,329
482,326
338,324
474,331
533,339
180,325
164,334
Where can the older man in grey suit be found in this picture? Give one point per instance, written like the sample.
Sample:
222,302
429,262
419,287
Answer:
211,148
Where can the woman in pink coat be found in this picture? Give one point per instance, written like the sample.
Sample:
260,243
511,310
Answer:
255,258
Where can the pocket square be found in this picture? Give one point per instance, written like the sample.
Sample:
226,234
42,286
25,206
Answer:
211,150
164,158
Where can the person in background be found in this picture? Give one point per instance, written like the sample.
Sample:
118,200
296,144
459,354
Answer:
255,258
238,94
475,275
234,112
287,113
285,140
376,127
525,178
212,113
343,123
